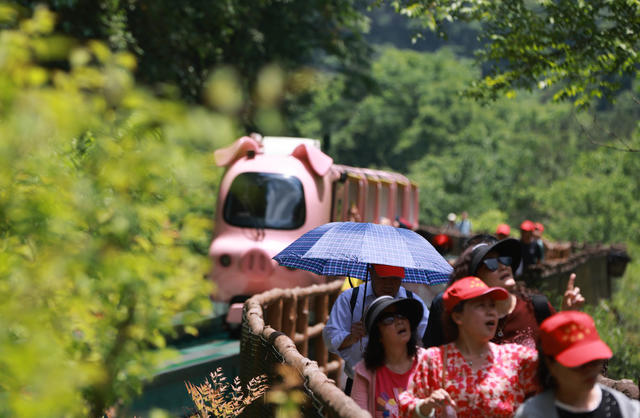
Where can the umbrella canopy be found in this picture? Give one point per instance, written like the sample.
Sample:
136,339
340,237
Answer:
347,248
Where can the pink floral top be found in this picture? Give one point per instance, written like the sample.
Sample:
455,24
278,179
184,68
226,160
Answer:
496,390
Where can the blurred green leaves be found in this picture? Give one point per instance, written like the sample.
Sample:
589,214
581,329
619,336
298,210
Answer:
106,200
184,45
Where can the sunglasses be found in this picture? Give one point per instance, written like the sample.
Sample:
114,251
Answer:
492,263
388,319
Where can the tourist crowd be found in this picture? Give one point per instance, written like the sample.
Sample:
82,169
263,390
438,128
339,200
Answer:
486,347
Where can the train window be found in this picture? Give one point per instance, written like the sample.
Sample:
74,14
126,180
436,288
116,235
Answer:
371,207
400,201
265,200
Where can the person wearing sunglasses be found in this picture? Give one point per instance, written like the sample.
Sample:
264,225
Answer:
494,262
390,354
471,376
571,358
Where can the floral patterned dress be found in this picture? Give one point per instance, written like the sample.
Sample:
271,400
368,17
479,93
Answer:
496,390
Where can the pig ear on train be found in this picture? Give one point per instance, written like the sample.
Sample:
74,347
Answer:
319,161
224,157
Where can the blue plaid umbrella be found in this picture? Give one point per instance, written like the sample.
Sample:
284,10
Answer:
347,248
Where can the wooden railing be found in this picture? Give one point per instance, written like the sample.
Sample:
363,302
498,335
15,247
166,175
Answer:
285,325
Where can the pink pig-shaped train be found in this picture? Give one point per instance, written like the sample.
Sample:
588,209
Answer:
274,190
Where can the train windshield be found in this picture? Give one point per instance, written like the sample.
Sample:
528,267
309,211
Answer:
265,200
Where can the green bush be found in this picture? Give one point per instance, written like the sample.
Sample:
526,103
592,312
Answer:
106,196
618,323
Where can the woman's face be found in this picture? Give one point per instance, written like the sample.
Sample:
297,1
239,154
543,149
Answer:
395,328
501,276
575,378
478,319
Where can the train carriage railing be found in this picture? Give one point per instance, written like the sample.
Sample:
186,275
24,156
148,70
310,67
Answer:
285,326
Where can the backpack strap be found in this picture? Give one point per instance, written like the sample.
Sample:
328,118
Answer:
354,299
409,294
540,307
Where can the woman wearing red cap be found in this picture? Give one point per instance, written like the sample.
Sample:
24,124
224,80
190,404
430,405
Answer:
471,376
572,357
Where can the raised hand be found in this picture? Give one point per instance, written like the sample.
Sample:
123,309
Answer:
572,298
438,399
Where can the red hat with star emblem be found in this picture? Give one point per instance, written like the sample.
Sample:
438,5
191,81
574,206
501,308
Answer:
572,339
469,288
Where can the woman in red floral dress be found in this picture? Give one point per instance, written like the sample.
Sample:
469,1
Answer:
480,378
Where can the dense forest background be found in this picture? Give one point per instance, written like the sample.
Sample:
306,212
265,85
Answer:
110,111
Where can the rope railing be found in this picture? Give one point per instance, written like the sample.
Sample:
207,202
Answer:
285,326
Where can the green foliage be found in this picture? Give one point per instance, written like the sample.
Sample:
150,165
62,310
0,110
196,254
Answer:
287,393
617,322
180,44
106,199
488,221
581,50
597,199
464,156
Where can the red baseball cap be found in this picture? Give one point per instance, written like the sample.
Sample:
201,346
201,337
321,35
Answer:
503,229
442,239
384,270
527,225
469,288
404,222
539,226
572,339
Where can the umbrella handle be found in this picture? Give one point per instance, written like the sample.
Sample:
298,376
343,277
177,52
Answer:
364,299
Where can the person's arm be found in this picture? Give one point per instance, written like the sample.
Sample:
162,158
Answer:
439,398
572,298
360,392
528,370
356,333
339,332
420,393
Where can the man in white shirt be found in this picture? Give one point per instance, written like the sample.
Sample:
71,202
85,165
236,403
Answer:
345,333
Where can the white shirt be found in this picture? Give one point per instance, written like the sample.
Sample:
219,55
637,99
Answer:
339,324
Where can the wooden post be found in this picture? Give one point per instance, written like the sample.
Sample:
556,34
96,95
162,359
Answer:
289,314
302,324
274,314
321,315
